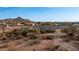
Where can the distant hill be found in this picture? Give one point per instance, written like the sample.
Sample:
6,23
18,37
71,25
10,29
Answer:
15,20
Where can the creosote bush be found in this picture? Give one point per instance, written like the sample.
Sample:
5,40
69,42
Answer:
49,37
16,34
33,37
65,31
23,32
47,31
33,42
67,40
56,47
70,34
76,37
34,31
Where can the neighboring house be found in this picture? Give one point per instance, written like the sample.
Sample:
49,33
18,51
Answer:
19,24
28,24
50,27
76,25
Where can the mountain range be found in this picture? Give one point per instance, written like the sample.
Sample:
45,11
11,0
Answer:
15,20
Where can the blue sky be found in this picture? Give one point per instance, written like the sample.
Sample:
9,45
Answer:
41,13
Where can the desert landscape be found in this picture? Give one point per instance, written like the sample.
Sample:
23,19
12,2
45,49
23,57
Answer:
38,36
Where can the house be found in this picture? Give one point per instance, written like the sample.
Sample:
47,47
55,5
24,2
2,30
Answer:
76,25
19,24
50,27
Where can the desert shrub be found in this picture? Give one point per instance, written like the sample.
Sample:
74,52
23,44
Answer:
3,38
42,31
50,31
67,40
16,32
34,49
21,33
65,30
56,47
24,31
49,37
34,31
76,37
47,31
33,37
70,34
13,35
49,49
33,42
